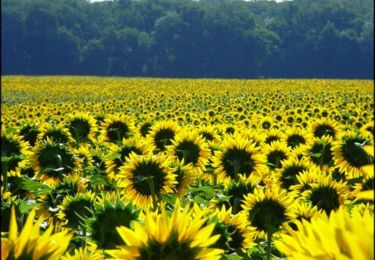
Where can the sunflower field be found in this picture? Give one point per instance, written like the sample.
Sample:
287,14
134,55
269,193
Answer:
144,168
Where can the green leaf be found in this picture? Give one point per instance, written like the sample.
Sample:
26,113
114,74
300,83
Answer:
34,186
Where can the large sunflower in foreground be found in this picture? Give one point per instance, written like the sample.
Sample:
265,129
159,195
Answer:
237,159
349,154
145,178
180,236
30,244
339,236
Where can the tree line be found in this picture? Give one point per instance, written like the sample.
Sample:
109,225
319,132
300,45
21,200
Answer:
186,38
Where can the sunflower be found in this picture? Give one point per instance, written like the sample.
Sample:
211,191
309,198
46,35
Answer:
190,148
29,132
52,161
291,168
56,133
144,128
75,209
145,178
162,133
14,152
209,134
117,127
349,154
184,177
335,237
82,126
238,158
367,130
70,185
273,135
275,153
326,193
180,236
120,152
295,137
267,209
89,252
302,210
236,192
320,152
235,235
30,244
324,127
107,216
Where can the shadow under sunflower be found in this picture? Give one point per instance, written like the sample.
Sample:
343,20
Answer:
180,236
145,178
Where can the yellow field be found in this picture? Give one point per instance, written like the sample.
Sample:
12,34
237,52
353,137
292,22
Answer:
106,162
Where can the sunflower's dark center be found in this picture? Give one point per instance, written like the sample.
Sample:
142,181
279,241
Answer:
289,175
221,229
338,175
274,159
117,131
354,154
370,129
230,130
325,197
9,147
103,227
206,135
56,135
237,238
266,125
55,161
237,161
79,128
146,176
78,209
267,215
172,249
145,129
30,134
321,154
324,129
271,139
295,140
189,151
163,138
368,184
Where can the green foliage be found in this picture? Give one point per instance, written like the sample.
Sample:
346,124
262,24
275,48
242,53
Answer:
320,39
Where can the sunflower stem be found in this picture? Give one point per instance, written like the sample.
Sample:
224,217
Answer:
150,183
269,240
84,233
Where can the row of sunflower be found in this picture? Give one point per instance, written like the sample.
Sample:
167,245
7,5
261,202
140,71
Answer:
93,186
